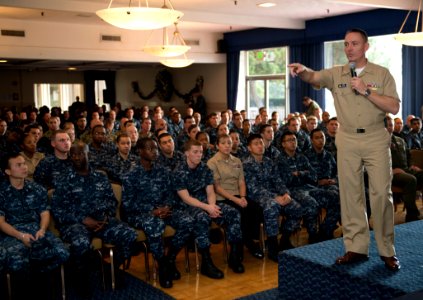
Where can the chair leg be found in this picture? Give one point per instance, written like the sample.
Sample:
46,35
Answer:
187,265
197,261
147,264
262,238
112,268
225,247
102,268
9,286
155,267
62,276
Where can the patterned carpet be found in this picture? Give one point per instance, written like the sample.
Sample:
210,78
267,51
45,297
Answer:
135,289
271,294
309,272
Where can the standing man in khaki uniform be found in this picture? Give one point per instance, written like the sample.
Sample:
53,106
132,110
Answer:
363,93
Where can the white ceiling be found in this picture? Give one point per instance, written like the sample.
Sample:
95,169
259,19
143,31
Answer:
203,15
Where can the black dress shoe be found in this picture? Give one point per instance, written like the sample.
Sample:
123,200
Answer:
351,257
255,250
392,262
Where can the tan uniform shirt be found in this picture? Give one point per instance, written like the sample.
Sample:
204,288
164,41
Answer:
228,172
355,111
32,163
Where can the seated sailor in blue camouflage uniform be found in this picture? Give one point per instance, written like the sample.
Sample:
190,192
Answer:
122,162
270,192
194,185
169,157
84,207
51,167
24,219
208,151
149,203
99,147
322,161
301,180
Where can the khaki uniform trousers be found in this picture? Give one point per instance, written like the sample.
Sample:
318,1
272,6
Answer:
356,151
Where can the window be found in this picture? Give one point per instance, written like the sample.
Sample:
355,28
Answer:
56,94
383,50
264,71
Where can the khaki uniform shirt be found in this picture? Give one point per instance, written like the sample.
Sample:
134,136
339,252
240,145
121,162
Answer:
32,162
228,172
355,111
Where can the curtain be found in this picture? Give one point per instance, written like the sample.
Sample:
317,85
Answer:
412,74
310,55
232,75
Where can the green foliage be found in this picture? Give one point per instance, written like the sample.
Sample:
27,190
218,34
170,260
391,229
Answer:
271,61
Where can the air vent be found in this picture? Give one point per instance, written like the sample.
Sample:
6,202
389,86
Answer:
18,33
192,42
111,38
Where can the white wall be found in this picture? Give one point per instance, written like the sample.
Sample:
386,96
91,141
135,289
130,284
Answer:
183,80
21,83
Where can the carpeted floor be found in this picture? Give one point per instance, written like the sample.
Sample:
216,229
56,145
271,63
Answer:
134,289
271,294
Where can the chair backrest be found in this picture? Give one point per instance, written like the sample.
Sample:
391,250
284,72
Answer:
117,190
52,224
417,157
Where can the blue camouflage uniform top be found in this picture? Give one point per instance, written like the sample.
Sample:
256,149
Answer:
77,197
303,141
194,180
212,132
50,169
271,152
116,167
172,162
307,177
207,155
22,208
261,179
241,153
414,140
175,129
330,145
145,190
181,139
324,163
97,157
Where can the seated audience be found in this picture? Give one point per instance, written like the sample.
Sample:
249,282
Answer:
31,250
194,185
408,177
301,180
149,203
230,188
84,207
270,192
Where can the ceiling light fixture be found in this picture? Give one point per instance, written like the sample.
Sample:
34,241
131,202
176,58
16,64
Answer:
411,38
177,62
266,4
175,48
140,18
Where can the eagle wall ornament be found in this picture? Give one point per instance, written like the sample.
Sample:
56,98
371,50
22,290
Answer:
164,88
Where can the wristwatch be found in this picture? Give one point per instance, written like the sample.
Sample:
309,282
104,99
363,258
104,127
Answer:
367,92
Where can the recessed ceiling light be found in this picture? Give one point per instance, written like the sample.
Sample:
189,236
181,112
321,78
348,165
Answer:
3,61
266,4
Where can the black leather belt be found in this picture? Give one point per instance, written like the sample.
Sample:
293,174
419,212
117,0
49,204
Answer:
361,130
